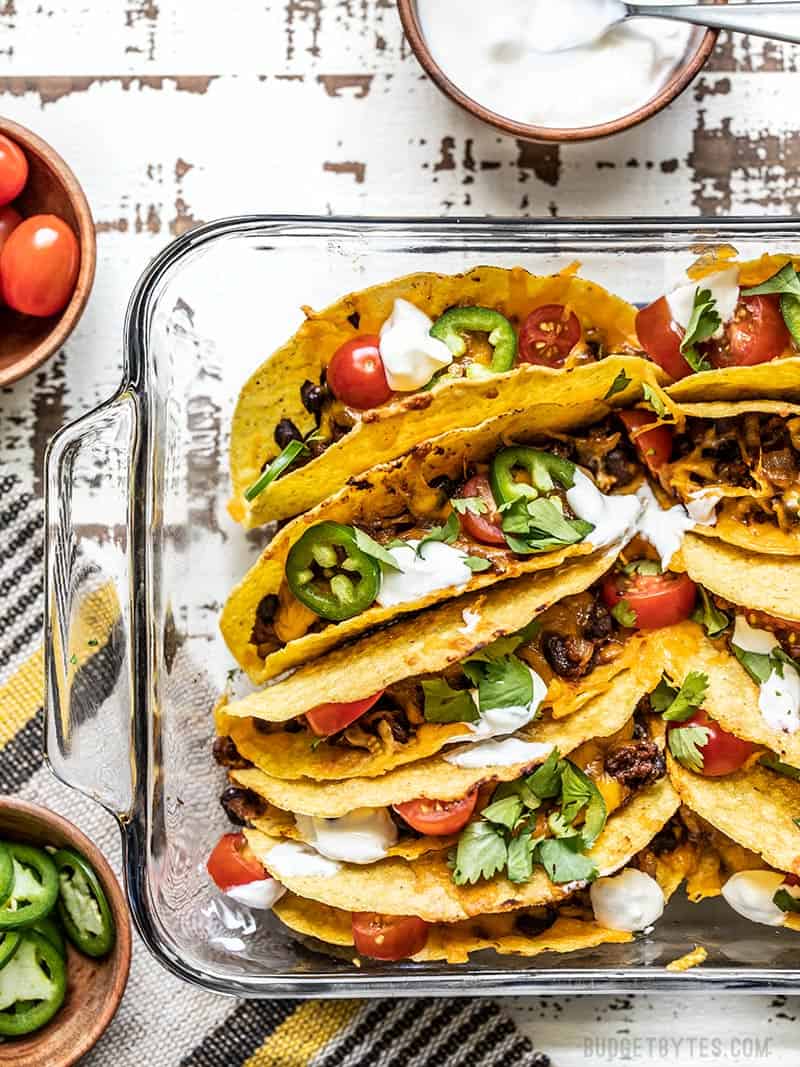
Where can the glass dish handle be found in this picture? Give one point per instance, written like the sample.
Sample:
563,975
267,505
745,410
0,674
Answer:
88,604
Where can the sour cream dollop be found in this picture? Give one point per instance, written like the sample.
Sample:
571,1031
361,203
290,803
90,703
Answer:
614,517
724,288
750,894
503,753
437,566
261,894
293,860
628,901
497,722
664,528
779,695
410,355
362,836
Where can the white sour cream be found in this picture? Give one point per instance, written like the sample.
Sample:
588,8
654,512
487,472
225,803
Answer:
261,894
410,355
724,287
702,507
293,860
628,901
563,64
438,566
750,894
778,697
614,517
497,722
504,753
362,836
663,528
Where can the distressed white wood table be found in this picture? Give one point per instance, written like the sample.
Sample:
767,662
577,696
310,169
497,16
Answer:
178,111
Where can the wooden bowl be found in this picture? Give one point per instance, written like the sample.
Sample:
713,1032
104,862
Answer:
52,189
94,987
692,63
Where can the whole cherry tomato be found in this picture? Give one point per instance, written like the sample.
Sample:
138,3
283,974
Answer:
388,937
39,266
438,818
13,170
486,526
548,335
356,374
655,599
329,719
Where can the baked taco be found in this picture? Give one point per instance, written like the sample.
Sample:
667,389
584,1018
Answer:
367,379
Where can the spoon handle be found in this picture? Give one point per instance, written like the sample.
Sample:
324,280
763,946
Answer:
780,21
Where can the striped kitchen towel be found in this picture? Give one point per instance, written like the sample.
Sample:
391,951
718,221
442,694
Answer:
161,1020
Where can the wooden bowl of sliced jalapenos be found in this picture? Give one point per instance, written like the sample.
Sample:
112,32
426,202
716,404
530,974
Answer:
65,939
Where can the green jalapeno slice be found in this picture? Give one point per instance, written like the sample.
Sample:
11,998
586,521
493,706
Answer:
82,905
544,470
6,874
33,985
9,942
329,573
51,931
452,326
35,886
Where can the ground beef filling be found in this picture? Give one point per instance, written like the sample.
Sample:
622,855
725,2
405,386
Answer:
636,764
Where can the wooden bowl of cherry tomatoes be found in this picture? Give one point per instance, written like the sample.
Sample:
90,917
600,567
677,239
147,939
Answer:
47,251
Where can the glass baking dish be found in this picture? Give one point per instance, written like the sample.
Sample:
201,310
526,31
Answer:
141,554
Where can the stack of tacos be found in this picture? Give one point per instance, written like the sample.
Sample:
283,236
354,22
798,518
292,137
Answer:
524,632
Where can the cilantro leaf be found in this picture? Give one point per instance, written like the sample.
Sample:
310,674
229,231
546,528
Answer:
708,615
546,780
703,324
785,901
624,614
652,397
663,695
696,360
477,564
771,761
446,534
578,791
276,468
619,385
685,743
535,525
443,704
688,698
502,683
504,812
481,852
563,861
757,664
518,788
372,548
785,281
472,504
504,646
520,856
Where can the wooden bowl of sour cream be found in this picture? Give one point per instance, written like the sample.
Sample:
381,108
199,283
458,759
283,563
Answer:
560,94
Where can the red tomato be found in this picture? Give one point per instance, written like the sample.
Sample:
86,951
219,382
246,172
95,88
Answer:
722,753
438,818
356,375
486,527
661,338
656,599
756,334
9,220
13,170
654,446
329,719
39,266
388,937
548,335
230,865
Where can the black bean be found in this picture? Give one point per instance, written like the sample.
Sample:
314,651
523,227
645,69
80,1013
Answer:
285,432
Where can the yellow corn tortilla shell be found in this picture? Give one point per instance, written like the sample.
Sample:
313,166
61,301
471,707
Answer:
277,823
382,494
273,391
425,887
454,942
778,379
761,583
754,806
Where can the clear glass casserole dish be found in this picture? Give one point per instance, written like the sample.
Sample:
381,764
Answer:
141,554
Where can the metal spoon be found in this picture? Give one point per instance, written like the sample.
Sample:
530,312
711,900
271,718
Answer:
779,21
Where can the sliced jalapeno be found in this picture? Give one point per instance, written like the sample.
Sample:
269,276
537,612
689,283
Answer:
790,309
9,942
543,469
82,905
49,929
33,985
6,874
328,572
35,887
452,326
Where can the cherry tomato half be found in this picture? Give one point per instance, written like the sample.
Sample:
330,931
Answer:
230,864
388,937
356,374
486,527
438,818
548,335
656,599
13,170
661,338
722,753
654,446
329,719
39,266
756,334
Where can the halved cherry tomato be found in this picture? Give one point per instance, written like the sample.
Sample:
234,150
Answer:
656,599
654,446
756,334
13,170
356,374
486,527
548,335
723,753
438,818
329,719
388,937
661,338
39,266
230,864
